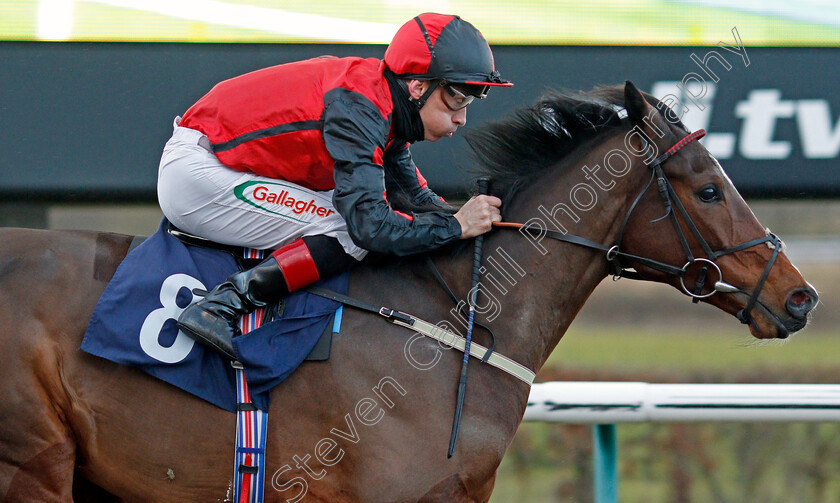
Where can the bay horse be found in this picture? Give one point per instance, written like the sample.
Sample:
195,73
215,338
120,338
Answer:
372,424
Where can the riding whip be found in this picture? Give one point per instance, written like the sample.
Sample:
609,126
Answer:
482,187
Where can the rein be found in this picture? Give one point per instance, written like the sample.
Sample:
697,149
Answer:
446,337
615,257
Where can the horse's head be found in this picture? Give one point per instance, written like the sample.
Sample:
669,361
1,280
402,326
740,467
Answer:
691,217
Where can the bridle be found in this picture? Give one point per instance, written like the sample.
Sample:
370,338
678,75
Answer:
618,259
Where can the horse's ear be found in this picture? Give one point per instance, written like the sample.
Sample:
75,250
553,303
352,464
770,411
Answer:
634,102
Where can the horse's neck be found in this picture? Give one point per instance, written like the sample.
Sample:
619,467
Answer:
530,299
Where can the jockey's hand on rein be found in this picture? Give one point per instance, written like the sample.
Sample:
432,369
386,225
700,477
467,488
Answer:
478,214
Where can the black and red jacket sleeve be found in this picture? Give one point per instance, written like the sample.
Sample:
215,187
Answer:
355,133
403,182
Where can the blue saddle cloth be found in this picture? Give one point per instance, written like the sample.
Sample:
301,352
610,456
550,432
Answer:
134,323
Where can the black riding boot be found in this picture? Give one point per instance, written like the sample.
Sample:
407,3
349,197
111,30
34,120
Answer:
214,320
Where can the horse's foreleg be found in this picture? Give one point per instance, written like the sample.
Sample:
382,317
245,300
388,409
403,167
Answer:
45,477
37,449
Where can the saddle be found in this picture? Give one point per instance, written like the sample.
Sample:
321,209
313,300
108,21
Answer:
134,321
321,351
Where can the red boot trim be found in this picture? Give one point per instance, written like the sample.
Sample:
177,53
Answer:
297,265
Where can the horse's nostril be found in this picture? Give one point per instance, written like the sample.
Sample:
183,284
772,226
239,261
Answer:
801,301
799,298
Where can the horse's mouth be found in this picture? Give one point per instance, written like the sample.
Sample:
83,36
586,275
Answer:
764,324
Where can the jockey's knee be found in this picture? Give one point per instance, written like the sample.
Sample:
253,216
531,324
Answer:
328,255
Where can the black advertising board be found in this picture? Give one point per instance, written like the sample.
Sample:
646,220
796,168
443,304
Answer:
87,121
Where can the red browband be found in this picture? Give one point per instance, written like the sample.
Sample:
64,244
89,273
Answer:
685,141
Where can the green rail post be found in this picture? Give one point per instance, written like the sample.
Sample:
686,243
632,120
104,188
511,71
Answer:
604,456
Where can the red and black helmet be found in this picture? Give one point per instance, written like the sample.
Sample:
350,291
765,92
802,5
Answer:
445,48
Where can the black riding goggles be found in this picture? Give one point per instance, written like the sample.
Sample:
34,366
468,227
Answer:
456,98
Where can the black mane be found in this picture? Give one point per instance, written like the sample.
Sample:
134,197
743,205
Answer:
532,139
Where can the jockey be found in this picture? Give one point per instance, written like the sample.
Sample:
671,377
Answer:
300,158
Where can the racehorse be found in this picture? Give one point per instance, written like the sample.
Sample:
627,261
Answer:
372,424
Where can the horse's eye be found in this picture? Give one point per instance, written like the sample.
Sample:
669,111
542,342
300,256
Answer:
709,194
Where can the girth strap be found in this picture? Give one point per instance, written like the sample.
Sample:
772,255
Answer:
251,427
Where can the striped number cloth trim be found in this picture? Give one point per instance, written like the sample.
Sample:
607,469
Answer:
249,461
